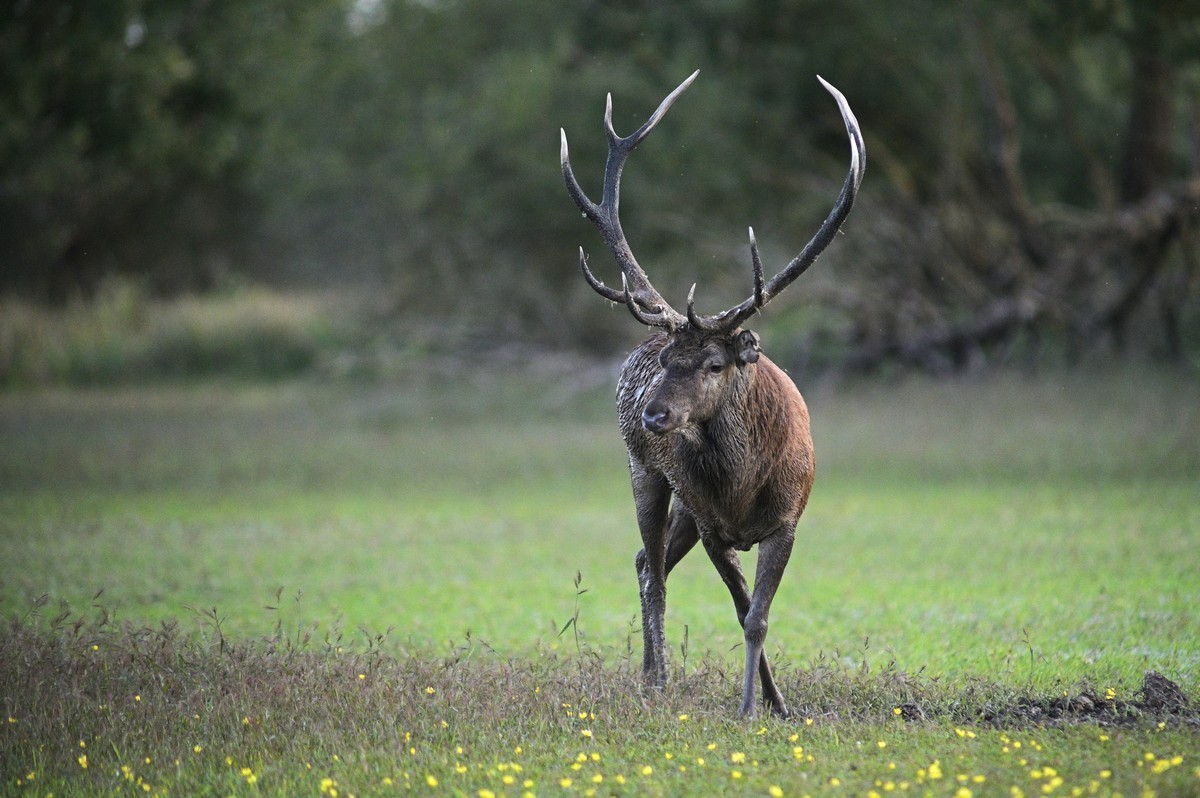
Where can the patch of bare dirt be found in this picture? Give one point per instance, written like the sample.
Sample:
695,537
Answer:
1158,699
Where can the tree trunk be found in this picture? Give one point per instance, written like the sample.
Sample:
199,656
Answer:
1146,164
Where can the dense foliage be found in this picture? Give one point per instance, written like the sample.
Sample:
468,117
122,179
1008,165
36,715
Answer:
1033,179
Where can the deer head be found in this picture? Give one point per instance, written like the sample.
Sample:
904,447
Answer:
698,371
637,293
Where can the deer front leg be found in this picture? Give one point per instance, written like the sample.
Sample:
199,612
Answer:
652,497
726,561
773,554
682,535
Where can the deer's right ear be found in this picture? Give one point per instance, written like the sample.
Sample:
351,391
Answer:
746,346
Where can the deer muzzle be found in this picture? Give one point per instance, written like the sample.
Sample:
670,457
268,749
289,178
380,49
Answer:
660,419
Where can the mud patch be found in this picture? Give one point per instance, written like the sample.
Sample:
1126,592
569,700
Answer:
1157,700
832,694
1160,694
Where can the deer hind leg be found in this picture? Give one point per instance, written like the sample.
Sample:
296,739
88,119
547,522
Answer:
682,535
725,559
652,496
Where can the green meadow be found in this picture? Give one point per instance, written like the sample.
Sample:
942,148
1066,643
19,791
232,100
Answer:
426,584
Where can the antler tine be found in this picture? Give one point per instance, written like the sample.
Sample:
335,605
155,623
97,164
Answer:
731,318
756,261
644,301
573,188
612,295
654,318
723,320
636,137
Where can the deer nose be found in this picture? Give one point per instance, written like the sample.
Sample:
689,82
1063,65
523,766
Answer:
657,419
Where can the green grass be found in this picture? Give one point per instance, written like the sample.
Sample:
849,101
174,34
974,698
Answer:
969,545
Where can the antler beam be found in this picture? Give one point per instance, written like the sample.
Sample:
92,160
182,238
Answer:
638,294
734,316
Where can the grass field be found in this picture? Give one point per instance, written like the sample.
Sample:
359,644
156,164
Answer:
305,588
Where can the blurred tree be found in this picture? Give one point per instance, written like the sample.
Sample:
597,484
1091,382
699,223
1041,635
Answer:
1034,174
125,136
1076,212
1032,181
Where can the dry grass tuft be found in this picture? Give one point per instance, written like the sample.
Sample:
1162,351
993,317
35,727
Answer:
125,335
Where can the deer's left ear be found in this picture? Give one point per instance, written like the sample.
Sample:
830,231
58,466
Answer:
746,346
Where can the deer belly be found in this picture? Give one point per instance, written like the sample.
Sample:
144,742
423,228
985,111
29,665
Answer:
741,532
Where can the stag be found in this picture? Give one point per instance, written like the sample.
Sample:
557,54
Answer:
718,436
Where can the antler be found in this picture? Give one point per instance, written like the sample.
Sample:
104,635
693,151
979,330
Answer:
731,318
637,293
